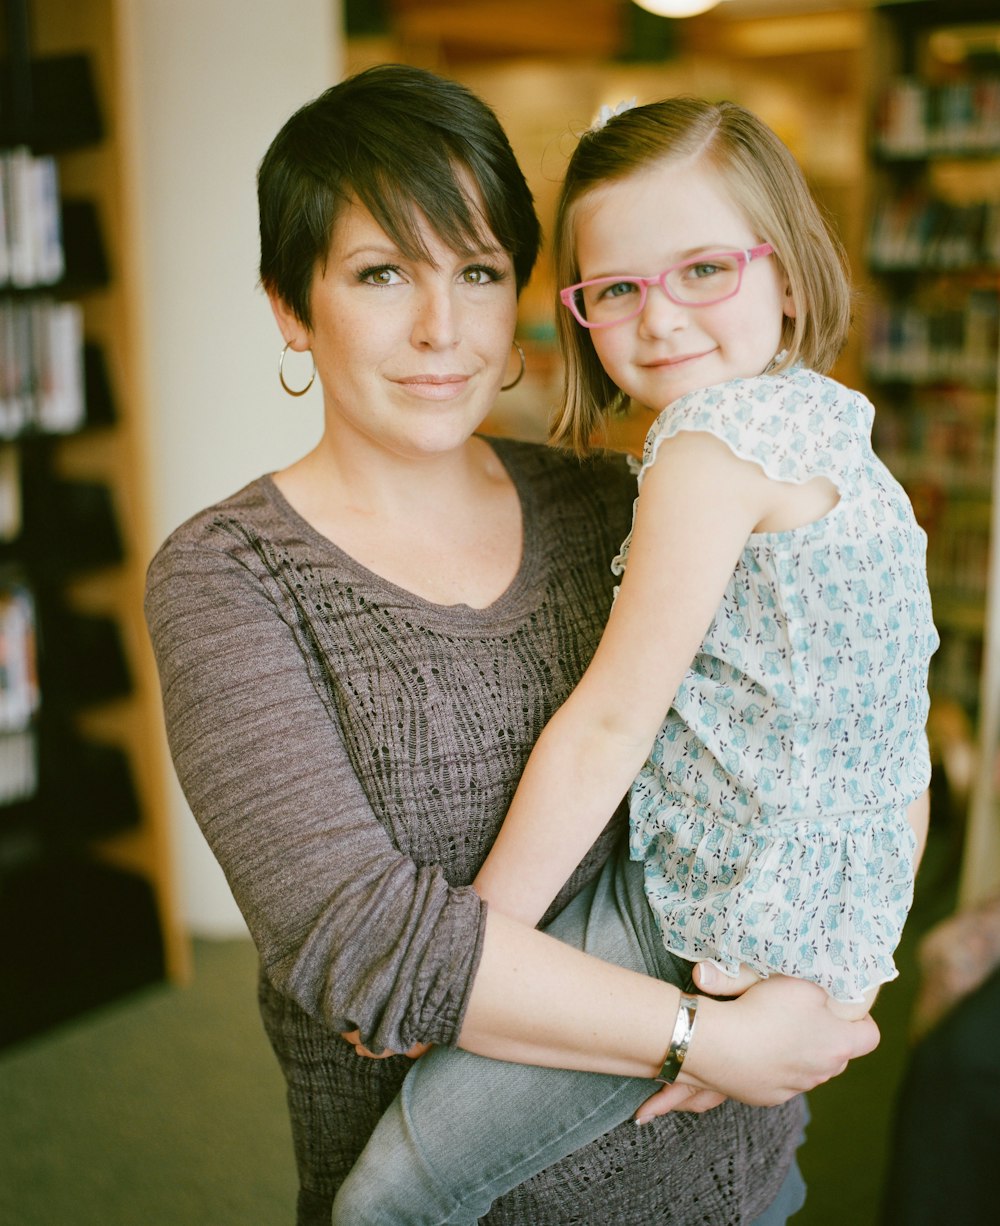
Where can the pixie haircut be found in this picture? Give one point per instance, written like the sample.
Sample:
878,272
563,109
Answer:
763,180
408,145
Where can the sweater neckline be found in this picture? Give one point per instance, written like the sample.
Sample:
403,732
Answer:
508,598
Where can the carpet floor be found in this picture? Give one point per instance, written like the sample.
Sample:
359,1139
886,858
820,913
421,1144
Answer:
167,1109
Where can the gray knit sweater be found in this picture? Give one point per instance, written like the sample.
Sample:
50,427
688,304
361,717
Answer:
349,751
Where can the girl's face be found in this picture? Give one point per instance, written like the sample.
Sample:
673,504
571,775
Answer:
410,354
641,225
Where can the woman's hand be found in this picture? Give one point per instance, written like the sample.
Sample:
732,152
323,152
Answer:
678,1097
777,1040
354,1038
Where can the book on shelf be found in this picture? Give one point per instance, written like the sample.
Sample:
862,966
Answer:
19,692
10,493
20,696
918,119
943,338
32,220
18,767
42,376
918,232
59,403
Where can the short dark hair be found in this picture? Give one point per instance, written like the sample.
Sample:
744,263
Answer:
401,141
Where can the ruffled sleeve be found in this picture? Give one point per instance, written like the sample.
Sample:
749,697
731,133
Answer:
796,425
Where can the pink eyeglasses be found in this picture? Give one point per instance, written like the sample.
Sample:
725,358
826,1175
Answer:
701,281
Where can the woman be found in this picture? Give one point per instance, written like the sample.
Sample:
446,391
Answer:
357,653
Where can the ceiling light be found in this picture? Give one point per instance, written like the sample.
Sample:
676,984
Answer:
677,8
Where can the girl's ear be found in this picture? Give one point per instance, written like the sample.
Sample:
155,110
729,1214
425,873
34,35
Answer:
294,331
788,303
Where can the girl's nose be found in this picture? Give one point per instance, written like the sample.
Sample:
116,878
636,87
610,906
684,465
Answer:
660,313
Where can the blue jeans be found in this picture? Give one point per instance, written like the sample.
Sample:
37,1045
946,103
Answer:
465,1129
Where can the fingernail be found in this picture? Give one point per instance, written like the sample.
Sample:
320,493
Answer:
640,1120
706,974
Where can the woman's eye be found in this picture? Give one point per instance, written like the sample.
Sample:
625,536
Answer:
384,274
480,274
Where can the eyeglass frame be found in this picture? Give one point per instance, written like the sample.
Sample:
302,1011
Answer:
743,258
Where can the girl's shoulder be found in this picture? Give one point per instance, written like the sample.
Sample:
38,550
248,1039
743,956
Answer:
798,395
788,421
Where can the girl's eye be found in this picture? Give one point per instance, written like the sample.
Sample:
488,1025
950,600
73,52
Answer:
708,268
382,274
619,289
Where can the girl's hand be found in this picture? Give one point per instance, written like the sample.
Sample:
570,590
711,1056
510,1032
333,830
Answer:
717,983
710,979
354,1038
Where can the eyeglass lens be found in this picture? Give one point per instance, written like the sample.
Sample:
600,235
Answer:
697,283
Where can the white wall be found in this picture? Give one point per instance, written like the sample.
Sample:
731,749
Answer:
209,82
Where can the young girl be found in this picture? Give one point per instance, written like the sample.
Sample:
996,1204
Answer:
761,683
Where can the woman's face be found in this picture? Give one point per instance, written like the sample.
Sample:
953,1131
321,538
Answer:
411,354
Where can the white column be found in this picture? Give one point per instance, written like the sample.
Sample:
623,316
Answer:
208,84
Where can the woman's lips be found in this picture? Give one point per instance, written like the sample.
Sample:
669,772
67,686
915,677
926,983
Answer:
435,387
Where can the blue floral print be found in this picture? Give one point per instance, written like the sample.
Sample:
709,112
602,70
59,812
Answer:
771,812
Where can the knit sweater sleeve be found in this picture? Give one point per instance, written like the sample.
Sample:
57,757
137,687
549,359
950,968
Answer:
349,927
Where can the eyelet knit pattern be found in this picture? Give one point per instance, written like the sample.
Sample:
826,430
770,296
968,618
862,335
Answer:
349,751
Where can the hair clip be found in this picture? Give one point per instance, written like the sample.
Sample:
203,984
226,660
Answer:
609,112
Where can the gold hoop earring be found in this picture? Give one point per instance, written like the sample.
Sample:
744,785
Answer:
505,387
281,374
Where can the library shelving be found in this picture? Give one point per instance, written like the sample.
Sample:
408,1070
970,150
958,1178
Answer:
85,888
932,335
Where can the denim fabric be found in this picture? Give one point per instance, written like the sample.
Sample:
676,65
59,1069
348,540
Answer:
465,1129
790,1198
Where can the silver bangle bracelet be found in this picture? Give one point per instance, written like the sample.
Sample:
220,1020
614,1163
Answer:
680,1040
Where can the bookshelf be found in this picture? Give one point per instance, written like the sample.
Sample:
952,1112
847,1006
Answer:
932,336
85,885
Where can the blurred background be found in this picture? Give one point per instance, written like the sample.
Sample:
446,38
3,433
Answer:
138,384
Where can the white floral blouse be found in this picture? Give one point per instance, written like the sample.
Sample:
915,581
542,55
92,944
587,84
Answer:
771,813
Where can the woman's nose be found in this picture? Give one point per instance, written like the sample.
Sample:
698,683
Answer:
436,324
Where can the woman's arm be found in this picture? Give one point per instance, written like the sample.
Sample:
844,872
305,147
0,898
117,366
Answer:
698,505
263,764
349,927
517,1012
537,1001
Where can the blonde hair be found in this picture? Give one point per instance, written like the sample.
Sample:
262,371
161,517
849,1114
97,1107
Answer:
764,181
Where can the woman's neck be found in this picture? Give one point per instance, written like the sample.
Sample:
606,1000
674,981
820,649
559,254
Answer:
445,527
